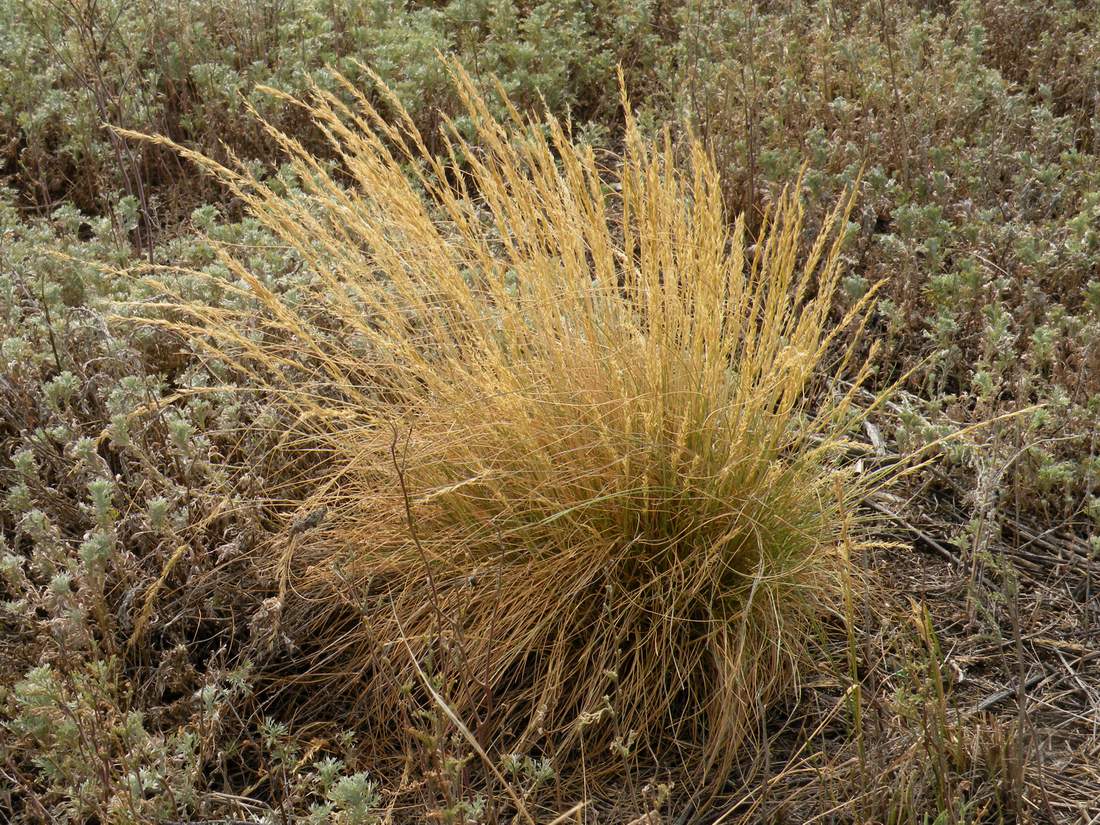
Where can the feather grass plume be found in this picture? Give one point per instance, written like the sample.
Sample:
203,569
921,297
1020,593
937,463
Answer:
569,424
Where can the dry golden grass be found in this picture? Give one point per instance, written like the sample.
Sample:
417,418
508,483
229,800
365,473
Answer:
579,456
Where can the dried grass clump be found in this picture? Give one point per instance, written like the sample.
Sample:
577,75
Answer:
566,421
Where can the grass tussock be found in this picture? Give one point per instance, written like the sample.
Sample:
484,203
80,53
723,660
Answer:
578,462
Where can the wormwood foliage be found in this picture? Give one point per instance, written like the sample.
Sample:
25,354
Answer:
570,429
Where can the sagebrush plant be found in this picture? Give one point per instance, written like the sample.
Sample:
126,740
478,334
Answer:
567,424
68,66
123,542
